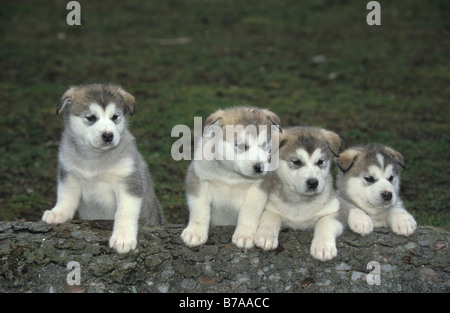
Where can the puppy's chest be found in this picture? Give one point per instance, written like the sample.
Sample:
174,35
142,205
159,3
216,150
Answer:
93,172
303,214
296,212
225,193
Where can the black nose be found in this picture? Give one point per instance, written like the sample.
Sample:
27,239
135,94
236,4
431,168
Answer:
107,136
312,183
387,195
257,168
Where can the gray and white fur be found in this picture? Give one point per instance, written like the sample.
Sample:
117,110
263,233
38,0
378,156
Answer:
101,174
301,194
368,186
225,191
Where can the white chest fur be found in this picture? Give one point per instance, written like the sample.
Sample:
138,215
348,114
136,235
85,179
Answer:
303,215
99,185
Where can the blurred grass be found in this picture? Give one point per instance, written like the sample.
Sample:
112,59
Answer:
388,83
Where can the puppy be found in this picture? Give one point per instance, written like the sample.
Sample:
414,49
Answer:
301,194
223,187
368,185
100,171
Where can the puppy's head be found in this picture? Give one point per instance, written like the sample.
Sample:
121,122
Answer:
370,175
244,139
305,158
96,114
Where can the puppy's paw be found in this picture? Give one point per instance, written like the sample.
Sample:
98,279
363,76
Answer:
122,242
403,224
243,239
52,217
361,224
323,249
194,235
266,240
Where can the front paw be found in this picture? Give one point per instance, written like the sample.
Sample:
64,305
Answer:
52,217
361,224
243,239
323,249
266,240
403,224
122,242
194,235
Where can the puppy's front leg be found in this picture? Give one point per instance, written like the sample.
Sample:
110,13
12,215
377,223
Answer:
249,215
323,245
359,221
124,236
196,233
68,195
268,230
401,222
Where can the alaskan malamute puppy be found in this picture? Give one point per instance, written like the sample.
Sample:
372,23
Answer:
301,194
223,189
368,186
100,171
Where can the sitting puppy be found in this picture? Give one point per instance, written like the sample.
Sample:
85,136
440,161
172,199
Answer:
301,194
223,188
100,171
368,186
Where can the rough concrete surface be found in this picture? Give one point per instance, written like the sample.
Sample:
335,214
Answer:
34,257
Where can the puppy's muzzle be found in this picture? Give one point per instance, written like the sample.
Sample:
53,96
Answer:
312,183
386,195
258,168
107,136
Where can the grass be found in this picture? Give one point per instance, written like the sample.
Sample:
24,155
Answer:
387,84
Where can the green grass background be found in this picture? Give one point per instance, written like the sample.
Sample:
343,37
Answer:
387,84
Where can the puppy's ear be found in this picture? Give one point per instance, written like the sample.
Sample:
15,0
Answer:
65,99
334,141
283,139
273,119
213,119
346,159
398,157
128,100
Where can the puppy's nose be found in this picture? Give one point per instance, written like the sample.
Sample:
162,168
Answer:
257,168
312,183
387,195
107,136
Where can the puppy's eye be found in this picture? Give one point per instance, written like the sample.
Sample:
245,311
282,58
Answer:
115,117
320,162
297,162
369,179
241,146
266,146
391,178
91,118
